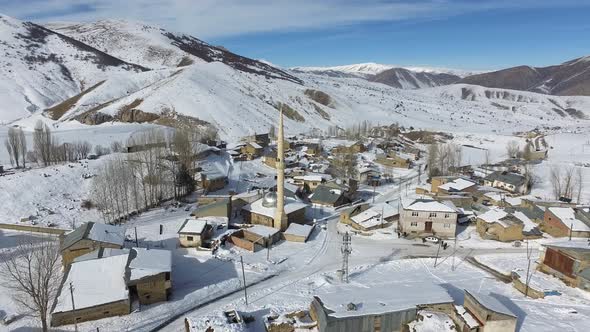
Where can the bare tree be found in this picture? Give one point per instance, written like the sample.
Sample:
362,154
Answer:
116,147
344,165
580,182
512,149
565,182
43,143
32,272
16,145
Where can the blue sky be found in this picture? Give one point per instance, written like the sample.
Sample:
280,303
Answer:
477,34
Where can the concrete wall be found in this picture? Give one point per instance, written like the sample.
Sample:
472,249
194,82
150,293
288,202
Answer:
238,240
438,223
98,312
83,247
154,289
34,229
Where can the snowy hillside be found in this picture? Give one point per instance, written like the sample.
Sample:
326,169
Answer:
155,48
39,68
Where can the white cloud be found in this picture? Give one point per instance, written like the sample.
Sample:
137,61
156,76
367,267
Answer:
220,18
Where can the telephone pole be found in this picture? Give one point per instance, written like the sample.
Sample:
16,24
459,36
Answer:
73,307
346,250
244,278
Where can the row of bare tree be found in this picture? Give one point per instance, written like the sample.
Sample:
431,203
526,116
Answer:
160,168
46,148
567,182
443,159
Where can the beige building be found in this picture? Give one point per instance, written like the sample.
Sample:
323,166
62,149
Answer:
568,261
100,291
497,224
489,312
424,217
89,237
262,211
150,274
194,232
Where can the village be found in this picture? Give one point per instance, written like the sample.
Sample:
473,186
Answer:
295,233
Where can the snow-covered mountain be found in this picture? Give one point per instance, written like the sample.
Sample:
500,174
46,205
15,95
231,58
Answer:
157,48
370,69
40,67
567,79
406,79
176,80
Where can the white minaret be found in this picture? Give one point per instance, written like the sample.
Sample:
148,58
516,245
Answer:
280,220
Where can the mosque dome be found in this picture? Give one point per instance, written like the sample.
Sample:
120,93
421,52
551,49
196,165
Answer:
270,200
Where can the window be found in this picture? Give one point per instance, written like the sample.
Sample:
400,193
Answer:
432,215
414,213
414,224
447,226
189,238
447,215
106,313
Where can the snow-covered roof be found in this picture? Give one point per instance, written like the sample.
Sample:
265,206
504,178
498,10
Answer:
529,225
193,226
491,303
467,316
312,178
428,205
255,145
568,218
496,215
367,218
96,232
263,231
457,185
350,301
299,230
291,205
95,282
499,196
149,262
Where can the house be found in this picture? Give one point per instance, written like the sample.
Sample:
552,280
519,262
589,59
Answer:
213,180
355,147
310,181
377,216
252,150
195,232
497,224
330,194
105,280
512,182
501,198
457,185
256,237
262,211
213,206
396,160
382,308
429,217
312,149
530,228
437,181
99,288
89,237
349,212
568,261
261,139
492,314
150,274
269,158
567,221
298,232
368,175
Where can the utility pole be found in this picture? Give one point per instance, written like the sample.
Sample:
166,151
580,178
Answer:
437,252
346,250
73,307
136,241
374,186
528,268
244,278
454,252
268,244
571,227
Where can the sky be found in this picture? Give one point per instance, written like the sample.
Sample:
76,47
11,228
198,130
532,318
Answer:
462,34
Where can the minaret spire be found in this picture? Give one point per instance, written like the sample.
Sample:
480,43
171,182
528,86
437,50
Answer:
280,220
